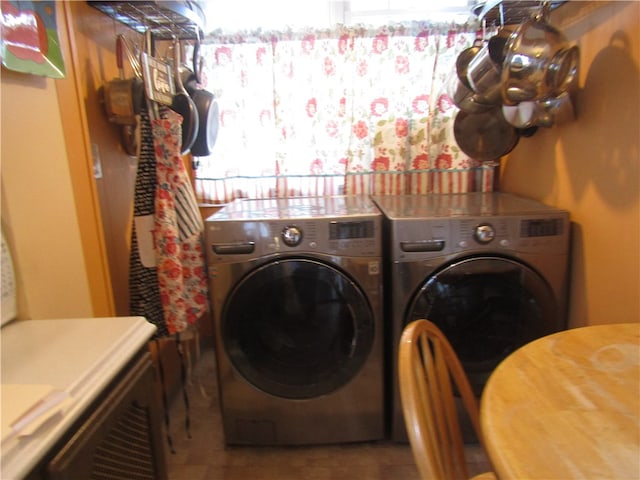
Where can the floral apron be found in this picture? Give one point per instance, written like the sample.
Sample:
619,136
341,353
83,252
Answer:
167,276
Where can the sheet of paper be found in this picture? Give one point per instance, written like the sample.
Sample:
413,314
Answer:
26,407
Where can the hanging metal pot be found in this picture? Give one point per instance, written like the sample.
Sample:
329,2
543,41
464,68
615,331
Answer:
123,99
184,105
458,87
464,98
208,113
207,108
483,75
123,96
547,112
522,115
558,110
539,62
485,136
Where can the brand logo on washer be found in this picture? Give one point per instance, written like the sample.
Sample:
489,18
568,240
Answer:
374,268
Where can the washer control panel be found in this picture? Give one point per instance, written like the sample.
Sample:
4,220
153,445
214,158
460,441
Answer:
349,236
357,237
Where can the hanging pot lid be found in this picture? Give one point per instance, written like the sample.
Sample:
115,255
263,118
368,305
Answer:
485,136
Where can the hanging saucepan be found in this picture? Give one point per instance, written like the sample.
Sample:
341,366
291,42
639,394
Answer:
541,113
484,75
123,99
207,108
559,108
485,136
184,105
458,87
498,43
463,97
479,68
123,96
524,114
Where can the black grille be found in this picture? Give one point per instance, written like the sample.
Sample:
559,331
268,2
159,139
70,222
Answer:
125,453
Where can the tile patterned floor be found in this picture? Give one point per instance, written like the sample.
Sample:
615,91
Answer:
205,457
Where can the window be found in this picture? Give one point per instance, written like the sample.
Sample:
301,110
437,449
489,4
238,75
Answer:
278,14
347,108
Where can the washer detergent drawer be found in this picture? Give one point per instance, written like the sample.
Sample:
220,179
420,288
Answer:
242,248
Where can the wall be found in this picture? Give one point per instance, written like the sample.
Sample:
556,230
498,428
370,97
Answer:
94,38
38,208
49,214
591,166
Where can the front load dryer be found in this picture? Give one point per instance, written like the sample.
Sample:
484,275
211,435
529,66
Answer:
297,298
490,269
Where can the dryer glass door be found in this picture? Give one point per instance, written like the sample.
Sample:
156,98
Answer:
487,307
297,328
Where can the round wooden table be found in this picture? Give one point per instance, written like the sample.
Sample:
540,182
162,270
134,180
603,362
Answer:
567,406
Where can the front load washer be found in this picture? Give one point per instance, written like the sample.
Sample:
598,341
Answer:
490,269
297,299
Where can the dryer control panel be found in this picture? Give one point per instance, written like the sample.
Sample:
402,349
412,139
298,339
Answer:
541,227
516,233
422,227
429,238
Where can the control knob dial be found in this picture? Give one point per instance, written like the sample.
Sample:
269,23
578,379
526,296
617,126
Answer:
484,233
292,236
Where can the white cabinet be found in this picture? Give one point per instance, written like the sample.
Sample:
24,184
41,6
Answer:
119,438
113,423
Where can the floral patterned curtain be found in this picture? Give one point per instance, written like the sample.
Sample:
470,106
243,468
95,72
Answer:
344,111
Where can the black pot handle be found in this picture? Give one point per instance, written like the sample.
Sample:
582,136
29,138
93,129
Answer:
197,59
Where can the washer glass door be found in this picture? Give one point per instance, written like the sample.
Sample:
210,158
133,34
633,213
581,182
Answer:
487,307
297,328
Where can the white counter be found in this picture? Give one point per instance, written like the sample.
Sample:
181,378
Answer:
79,356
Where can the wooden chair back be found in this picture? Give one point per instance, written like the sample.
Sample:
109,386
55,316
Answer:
426,364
